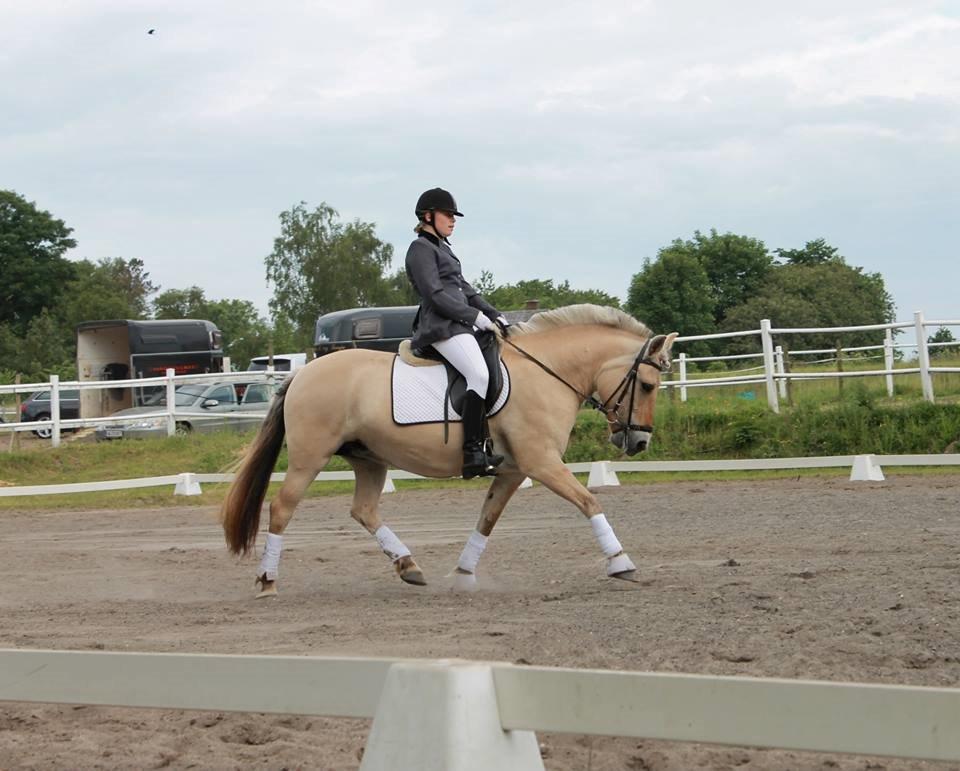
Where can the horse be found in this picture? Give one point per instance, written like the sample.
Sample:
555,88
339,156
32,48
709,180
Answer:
339,404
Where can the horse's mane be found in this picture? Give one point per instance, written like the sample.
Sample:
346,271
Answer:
584,313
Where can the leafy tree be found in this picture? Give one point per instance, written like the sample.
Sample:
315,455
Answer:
673,294
813,253
46,348
942,335
34,270
113,288
736,266
319,264
189,303
824,294
549,295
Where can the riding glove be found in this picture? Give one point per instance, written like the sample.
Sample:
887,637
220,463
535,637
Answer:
483,323
504,325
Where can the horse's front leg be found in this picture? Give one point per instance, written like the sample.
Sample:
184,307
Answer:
370,476
501,489
561,480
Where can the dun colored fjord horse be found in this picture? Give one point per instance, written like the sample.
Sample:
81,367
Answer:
340,405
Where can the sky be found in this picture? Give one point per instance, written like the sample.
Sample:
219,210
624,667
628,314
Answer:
578,138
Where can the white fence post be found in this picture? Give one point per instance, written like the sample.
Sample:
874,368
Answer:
888,359
683,377
55,410
226,364
171,402
781,370
767,340
923,356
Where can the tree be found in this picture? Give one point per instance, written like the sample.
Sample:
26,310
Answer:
942,335
813,253
245,333
34,270
736,266
189,303
825,294
113,288
318,264
548,295
673,294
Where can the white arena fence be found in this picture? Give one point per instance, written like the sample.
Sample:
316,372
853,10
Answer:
772,373
863,468
466,715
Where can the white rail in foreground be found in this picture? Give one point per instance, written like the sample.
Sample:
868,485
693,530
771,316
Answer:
451,714
601,473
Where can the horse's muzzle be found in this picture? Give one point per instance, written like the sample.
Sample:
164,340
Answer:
631,442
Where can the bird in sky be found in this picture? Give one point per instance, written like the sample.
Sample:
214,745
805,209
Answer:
150,31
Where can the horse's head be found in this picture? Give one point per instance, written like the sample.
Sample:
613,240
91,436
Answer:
628,398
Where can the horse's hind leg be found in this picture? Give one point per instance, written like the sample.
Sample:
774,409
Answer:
501,490
370,476
282,507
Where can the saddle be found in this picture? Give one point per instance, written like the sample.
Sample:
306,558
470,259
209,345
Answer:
457,383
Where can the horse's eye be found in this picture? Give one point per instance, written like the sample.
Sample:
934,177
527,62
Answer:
648,387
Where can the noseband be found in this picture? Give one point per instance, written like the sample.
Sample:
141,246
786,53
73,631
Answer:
627,384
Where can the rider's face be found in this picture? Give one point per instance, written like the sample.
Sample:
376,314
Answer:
444,222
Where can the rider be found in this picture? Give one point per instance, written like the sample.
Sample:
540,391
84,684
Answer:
450,310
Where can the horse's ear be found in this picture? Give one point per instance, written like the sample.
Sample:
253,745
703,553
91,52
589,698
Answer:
660,348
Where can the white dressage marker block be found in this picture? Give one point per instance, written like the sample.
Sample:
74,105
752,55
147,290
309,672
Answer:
443,716
866,469
187,484
601,475
527,482
388,486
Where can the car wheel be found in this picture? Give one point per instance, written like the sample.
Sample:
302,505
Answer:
183,429
47,431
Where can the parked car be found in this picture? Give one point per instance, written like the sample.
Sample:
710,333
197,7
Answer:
37,407
221,403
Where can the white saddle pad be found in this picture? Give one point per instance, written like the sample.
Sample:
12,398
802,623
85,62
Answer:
418,393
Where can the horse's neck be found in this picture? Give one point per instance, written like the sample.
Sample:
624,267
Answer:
579,353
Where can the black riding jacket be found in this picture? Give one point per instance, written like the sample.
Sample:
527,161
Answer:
448,304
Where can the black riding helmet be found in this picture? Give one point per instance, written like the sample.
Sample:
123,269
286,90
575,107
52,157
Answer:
436,199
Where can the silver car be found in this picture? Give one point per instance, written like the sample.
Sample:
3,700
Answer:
198,407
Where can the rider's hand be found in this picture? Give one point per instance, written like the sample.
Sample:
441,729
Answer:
504,325
483,323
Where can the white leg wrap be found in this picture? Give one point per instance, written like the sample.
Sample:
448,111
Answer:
470,555
605,535
270,562
391,545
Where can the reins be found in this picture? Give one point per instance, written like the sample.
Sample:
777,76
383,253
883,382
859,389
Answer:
629,381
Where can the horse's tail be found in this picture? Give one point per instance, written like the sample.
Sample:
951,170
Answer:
240,512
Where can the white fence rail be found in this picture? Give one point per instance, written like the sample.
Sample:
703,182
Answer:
600,473
774,376
465,715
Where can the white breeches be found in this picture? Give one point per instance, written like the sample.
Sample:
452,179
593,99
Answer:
463,352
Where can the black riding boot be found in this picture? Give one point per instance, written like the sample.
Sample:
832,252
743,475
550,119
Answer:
478,457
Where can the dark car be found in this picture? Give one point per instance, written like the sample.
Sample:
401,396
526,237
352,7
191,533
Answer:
37,407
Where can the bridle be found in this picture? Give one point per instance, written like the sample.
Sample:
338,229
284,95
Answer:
627,385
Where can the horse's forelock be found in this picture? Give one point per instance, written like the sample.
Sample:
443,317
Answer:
585,313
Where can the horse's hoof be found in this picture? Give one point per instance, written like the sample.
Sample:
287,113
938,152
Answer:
626,575
464,582
619,565
267,588
414,577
